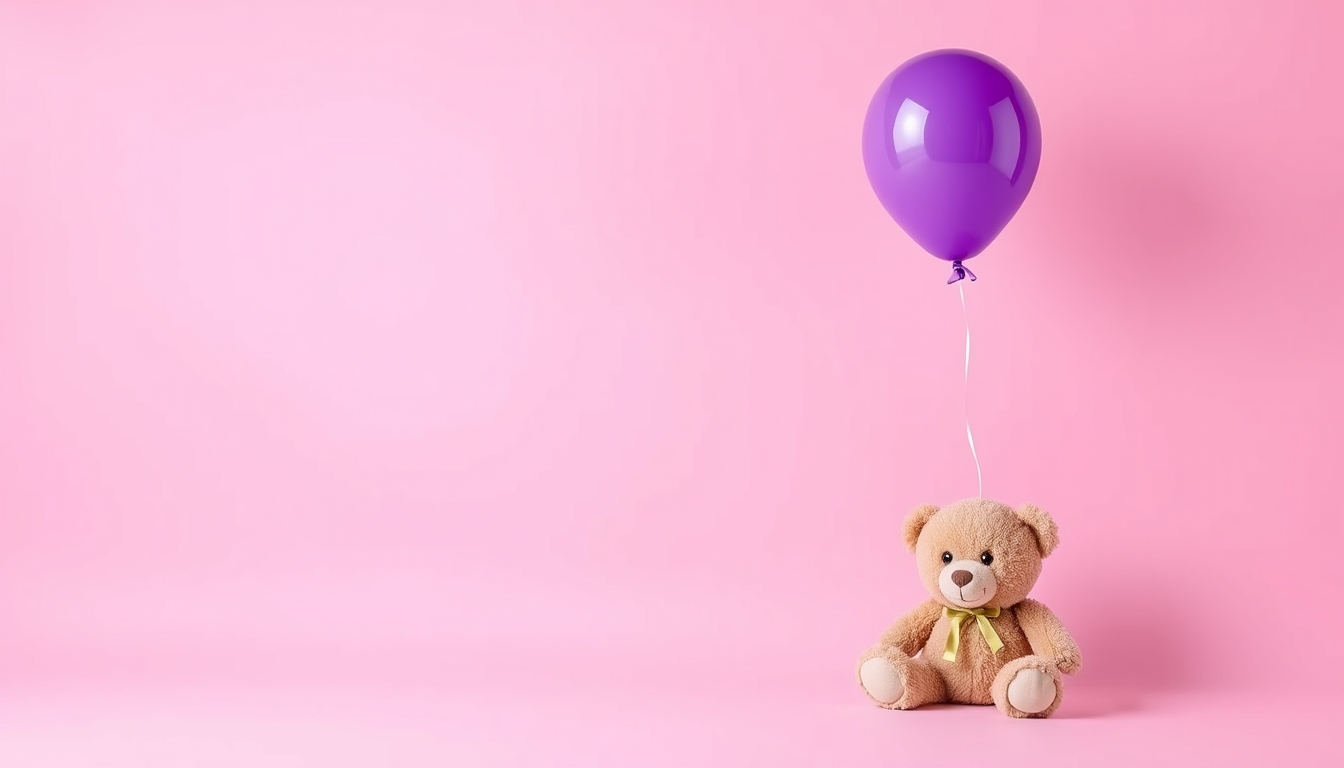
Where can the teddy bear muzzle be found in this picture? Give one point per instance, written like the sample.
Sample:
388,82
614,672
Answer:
967,583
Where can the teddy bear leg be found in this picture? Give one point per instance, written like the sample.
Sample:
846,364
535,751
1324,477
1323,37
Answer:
1028,687
896,681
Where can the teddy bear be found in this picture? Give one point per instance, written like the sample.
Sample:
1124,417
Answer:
980,639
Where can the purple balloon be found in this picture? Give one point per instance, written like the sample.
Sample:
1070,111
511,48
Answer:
951,144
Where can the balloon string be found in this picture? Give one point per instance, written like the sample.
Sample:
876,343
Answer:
966,392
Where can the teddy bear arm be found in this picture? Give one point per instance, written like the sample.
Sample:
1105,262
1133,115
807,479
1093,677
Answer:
912,631
1047,636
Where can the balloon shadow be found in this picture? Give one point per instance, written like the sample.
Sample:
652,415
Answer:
1142,215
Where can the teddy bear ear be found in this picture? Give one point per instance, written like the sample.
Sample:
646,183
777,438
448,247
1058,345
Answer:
1041,524
914,523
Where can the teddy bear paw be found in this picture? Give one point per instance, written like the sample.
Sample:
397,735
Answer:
1032,691
881,680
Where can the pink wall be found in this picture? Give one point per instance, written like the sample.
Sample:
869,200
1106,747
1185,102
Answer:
370,341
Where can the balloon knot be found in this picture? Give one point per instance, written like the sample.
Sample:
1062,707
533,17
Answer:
960,272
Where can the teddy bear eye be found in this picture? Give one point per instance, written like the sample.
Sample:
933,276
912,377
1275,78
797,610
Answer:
986,558
947,557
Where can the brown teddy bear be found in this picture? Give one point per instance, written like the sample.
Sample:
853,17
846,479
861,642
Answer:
980,640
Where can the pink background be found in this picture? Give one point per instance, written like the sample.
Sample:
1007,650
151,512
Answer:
395,383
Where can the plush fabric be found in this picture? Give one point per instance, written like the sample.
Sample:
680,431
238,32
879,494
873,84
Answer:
977,553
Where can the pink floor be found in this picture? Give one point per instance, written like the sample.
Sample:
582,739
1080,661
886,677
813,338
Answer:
535,721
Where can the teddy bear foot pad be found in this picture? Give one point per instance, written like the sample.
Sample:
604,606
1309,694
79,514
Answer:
881,680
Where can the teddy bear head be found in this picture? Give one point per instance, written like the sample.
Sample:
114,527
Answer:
978,552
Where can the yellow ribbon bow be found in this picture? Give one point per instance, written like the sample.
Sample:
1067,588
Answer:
982,617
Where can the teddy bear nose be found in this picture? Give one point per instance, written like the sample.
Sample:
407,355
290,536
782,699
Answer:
961,578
